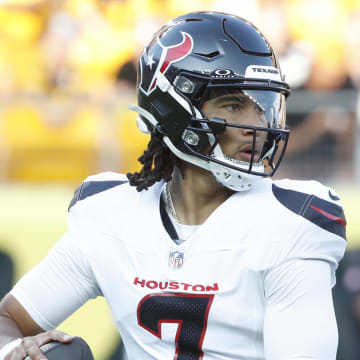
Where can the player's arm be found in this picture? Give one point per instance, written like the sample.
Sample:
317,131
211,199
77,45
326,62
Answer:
299,319
30,313
20,335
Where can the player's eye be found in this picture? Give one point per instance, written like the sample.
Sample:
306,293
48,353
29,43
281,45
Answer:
234,107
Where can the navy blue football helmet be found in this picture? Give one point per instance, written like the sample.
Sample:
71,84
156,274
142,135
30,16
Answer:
194,56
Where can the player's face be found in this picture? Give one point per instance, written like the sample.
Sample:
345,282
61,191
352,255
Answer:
237,108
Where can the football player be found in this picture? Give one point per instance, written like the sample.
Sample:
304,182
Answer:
200,255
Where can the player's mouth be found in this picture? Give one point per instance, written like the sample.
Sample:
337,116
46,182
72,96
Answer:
246,153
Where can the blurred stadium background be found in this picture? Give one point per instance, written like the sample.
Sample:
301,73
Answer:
68,74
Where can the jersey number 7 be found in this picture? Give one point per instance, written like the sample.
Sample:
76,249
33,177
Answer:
189,311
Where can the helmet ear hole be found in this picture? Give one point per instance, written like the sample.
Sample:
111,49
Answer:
160,109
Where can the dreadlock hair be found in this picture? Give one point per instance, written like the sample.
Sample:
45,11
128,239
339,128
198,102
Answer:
158,163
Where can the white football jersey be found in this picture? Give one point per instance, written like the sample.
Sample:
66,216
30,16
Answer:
202,299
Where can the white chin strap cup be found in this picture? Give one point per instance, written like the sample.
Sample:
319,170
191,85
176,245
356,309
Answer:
232,179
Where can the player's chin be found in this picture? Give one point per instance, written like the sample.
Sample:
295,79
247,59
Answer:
78,349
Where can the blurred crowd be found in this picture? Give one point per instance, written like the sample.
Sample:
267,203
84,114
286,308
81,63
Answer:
68,73
82,45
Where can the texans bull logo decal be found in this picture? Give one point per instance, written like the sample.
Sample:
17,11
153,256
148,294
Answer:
166,55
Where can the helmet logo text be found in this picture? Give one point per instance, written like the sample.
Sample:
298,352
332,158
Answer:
263,72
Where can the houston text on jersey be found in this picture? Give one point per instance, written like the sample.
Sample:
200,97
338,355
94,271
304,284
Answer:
174,285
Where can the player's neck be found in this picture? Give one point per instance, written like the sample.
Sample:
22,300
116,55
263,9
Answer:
196,196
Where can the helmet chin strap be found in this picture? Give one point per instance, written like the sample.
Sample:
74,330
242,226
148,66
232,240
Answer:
230,178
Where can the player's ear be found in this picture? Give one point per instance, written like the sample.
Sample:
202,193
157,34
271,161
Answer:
78,349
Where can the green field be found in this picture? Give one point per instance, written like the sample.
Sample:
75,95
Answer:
33,217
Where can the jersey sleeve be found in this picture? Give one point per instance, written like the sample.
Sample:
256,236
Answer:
64,280
310,225
299,320
58,286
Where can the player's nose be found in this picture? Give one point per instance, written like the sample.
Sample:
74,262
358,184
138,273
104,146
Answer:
253,120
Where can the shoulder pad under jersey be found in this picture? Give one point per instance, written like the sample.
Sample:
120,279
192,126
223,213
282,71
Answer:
95,184
314,202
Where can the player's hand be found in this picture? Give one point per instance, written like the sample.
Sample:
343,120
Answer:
30,345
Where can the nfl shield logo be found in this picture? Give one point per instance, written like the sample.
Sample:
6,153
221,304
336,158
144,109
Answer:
176,259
